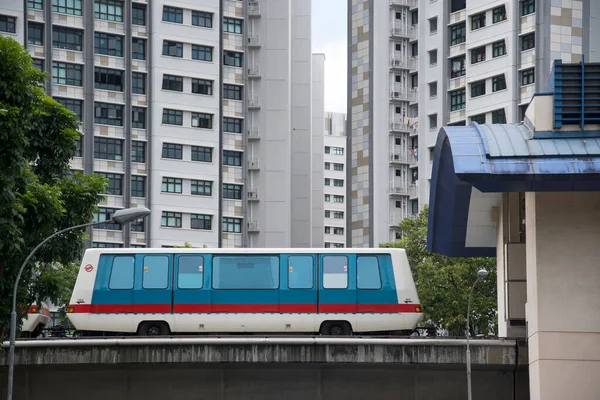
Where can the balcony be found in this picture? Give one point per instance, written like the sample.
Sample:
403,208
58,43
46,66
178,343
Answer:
457,83
399,32
402,63
252,226
398,125
253,164
253,133
253,72
253,101
402,94
254,8
401,189
395,219
399,158
253,195
457,116
405,3
253,40
413,95
413,63
414,32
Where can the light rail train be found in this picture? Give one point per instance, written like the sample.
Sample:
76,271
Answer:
155,292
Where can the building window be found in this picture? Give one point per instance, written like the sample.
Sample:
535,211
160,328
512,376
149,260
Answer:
457,99
478,88
432,89
138,83
171,219
528,41
498,83
414,49
478,55
522,111
231,225
477,21
110,10
232,125
71,7
172,185
527,77
433,25
101,245
414,17
172,14
338,198
201,221
432,122
458,33
172,150
479,118
233,59
231,191
338,214
202,120
527,7
8,24
108,79
66,38
108,114
138,48
499,14
110,45
367,273
138,117
338,231
105,214
172,82
202,86
35,4
39,64
338,167
202,154
457,5
327,198
232,158
172,49
327,182
432,57
203,19
138,14
232,25
137,226
115,184
78,144
327,165
35,34
201,188
75,106
67,74
202,53
232,92
338,182
499,116
138,151
457,67
498,48
172,117
108,149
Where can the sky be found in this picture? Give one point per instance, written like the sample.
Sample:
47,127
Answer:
329,36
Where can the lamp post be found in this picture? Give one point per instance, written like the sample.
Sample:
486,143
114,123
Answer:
481,274
120,217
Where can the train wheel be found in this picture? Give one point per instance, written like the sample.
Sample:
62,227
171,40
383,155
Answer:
153,328
336,328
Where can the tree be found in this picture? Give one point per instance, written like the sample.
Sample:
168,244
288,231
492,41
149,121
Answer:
443,283
39,194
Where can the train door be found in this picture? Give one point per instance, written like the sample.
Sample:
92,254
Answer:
191,291
337,283
298,289
113,290
153,283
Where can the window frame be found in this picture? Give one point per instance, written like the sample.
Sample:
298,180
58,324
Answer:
112,268
528,76
34,27
198,83
498,46
172,117
136,112
198,16
477,55
138,44
291,270
72,40
172,148
169,45
458,99
185,256
233,25
136,9
231,155
233,221
108,44
103,146
170,184
108,10
103,77
235,123
76,70
478,21
202,150
234,189
378,272
138,181
167,272
496,80
206,218
202,53
108,120
458,32
197,183
499,14
172,14
62,7
136,78
478,88
528,41
347,272
166,216
234,59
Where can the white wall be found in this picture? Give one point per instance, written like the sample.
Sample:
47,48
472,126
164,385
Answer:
318,123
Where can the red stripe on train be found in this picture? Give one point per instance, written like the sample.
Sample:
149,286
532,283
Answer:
243,308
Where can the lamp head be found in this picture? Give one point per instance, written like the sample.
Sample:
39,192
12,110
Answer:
482,274
130,214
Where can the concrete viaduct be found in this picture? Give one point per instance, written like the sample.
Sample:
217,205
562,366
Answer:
265,368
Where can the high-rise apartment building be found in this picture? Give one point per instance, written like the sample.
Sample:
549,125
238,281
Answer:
334,175
416,65
190,108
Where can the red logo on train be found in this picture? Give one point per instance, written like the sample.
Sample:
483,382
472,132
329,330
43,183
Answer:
89,268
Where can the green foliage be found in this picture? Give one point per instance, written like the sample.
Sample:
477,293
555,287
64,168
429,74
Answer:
443,283
188,246
38,197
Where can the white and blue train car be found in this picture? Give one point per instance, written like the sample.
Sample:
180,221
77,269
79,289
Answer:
169,291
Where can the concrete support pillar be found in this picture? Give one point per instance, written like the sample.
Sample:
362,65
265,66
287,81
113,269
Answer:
563,294
511,276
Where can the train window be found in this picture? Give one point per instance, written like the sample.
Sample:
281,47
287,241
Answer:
155,272
245,272
121,274
191,272
335,272
367,273
300,272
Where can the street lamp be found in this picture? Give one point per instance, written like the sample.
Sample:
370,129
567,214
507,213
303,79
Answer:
481,274
120,217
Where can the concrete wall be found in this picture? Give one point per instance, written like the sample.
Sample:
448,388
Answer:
318,125
563,294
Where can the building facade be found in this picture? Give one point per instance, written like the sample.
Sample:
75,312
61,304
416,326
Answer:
334,175
420,65
190,108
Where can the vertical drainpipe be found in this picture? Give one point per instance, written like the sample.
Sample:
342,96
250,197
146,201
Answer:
371,128
515,61
245,174
348,133
25,23
127,119
149,113
47,44
88,97
220,181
